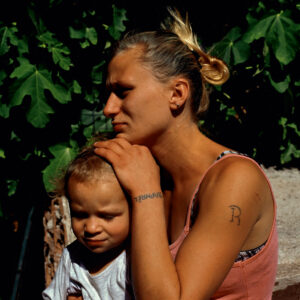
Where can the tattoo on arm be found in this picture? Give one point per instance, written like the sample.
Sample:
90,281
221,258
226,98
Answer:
147,196
235,214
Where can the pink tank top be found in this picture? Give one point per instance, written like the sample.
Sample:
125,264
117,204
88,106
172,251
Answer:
252,279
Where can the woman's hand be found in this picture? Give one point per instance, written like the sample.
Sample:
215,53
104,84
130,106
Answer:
134,166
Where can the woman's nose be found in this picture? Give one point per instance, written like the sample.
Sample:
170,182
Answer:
112,106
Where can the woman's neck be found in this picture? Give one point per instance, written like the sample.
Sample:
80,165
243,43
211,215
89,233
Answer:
185,153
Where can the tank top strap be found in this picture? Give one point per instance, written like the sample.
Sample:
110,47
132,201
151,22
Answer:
230,152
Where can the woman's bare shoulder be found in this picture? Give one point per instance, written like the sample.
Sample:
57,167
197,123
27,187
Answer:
235,180
235,169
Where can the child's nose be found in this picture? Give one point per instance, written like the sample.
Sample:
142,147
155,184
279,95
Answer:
92,226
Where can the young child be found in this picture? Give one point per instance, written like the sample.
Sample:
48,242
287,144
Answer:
94,266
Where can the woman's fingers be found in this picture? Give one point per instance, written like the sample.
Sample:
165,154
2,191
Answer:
134,165
108,154
112,150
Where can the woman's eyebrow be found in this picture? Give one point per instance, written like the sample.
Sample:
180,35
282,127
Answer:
118,85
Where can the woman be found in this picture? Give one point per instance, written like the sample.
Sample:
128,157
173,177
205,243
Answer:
212,233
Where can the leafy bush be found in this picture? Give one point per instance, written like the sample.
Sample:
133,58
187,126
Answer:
53,58
259,106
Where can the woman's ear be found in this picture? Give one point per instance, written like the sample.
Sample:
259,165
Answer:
180,93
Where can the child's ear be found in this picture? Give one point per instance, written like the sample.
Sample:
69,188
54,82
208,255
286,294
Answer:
180,93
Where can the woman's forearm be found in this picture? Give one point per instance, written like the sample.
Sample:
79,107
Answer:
153,270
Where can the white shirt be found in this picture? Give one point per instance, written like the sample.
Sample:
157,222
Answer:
71,276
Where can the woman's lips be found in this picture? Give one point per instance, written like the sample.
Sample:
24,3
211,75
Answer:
118,126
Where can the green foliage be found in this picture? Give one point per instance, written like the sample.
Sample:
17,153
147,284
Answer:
32,82
279,32
119,17
53,58
261,100
54,55
63,154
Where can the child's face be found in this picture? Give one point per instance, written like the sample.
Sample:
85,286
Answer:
99,212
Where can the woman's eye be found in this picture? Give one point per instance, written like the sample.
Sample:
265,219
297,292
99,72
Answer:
122,92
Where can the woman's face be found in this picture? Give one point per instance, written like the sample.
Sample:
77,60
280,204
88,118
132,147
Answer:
138,103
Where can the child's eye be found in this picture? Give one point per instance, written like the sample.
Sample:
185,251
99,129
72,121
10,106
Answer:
108,217
78,215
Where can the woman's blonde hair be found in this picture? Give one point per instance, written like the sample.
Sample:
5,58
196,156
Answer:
173,51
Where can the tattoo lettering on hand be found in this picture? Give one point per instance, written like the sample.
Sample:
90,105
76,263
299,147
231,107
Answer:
235,214
148,196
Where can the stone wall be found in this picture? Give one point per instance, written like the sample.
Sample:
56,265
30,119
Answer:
286,187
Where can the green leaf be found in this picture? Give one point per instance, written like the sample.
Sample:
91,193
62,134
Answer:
88,131
7,37
281,34
234,34
97,74
3,75
259,30
76,87
294,126
117,27
77,34
232,49
4,110
282,121
4,47
85,44
95,122
59,51
11,186
281,86
22,46
63,154
2,153
241,52
91,35
103,125
88,117
88,33
60,59
283,38
33,82
288,153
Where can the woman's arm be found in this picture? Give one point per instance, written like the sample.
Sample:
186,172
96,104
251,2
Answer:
231,201
138,173
229,206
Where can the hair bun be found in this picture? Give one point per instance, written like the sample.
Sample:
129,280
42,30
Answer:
213,70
